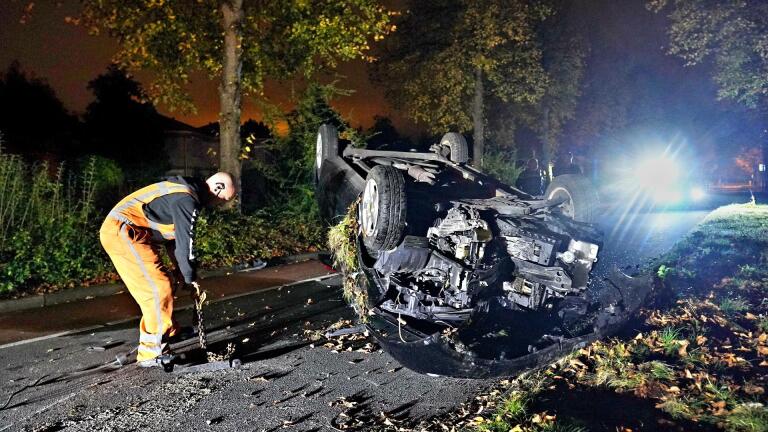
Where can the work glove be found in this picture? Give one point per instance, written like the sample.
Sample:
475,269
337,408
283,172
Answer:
197,292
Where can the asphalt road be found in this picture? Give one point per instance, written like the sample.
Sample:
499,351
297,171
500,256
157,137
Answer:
286,383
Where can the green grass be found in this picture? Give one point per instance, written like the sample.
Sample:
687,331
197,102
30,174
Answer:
694,358
659,371
677,408
563,426
512,411
515,407
669,338
342,242
718,391
748,418
749,271
614,368
663,271
731,306
729,242
763,324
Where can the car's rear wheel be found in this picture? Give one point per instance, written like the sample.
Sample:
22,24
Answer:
457,146
326,147
580,197
383,208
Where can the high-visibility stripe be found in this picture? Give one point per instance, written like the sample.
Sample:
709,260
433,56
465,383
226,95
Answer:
150,338
155,350
120,218
155,289
164,190
136,203
157,227
191,255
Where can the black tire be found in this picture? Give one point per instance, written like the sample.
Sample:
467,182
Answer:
326,147
582,201
459,151
383,208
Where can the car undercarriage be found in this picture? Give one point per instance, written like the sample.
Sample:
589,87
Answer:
462,274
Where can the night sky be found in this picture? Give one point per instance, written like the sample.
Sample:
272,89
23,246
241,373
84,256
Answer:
68,58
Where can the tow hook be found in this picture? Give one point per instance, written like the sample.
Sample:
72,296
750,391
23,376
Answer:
167,361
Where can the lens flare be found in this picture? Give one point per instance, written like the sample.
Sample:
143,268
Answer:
656,173
698,193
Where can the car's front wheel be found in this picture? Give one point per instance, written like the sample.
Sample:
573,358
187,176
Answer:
580,199
383,208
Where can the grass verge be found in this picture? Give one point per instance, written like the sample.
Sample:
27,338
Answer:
700,359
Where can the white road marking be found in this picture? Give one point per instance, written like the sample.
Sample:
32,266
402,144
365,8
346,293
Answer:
122,321
51,336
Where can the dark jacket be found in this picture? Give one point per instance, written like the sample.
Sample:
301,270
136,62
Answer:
182,210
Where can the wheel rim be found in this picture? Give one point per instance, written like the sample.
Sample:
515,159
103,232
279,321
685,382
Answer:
369,207
319,151
445,150
567,206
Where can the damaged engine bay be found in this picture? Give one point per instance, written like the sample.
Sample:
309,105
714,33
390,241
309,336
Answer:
530,272
529,263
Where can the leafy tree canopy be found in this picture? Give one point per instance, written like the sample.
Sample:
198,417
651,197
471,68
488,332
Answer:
122,125
429,66
32,118
279,38
563,60
734,34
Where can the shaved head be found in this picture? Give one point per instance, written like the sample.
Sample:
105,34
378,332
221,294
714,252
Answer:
222,186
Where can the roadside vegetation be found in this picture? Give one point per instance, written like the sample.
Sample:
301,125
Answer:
226,238
696,359
50,216
49,230
45,215
342,243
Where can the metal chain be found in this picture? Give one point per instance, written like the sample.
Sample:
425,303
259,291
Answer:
199,297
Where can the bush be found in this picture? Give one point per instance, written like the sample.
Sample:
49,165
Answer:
502,166
48,228
289,171
110,179
225,237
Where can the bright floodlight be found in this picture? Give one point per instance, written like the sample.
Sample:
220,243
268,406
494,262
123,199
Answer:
658,176
657,173
697,193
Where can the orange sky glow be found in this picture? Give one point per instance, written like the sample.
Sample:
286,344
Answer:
67,57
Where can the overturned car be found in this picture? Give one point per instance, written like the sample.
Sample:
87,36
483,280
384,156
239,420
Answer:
462,275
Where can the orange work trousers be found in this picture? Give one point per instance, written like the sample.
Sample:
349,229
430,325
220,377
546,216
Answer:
138,263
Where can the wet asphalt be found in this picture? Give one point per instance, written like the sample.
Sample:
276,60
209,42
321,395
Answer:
287,382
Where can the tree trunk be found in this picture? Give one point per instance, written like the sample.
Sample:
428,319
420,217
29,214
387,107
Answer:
229,89
478,120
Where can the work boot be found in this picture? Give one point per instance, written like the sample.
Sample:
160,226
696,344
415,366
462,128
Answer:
164,361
